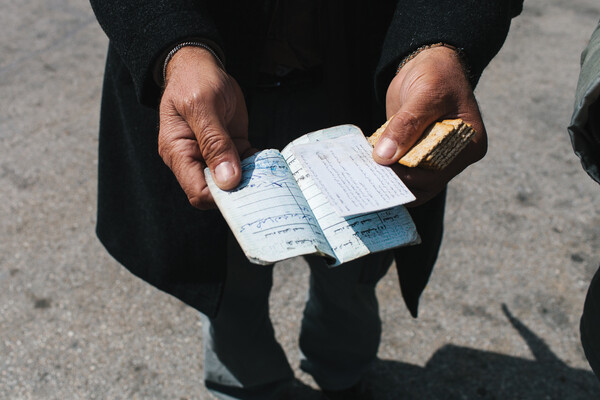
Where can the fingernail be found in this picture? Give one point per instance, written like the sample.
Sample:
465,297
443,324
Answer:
386,148
224,172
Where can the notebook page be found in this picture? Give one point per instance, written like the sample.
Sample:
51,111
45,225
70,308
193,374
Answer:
268,213
346,173
351,237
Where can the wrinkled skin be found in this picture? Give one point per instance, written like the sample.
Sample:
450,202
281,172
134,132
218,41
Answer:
203,122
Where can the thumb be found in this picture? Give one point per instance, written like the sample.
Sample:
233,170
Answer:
217,149
403,130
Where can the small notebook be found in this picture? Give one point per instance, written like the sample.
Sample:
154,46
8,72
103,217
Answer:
322,194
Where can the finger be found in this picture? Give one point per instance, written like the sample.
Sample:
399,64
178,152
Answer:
183,157
178,148
215,145
477,147
424,184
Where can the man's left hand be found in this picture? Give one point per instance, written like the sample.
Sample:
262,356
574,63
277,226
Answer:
433,86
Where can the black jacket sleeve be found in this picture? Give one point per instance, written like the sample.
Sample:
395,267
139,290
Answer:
142,31
477,27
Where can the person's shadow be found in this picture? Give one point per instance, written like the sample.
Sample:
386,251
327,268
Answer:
455,372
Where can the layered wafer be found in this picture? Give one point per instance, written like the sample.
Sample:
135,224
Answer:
437,147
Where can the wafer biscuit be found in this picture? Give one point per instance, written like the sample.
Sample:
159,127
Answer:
437,147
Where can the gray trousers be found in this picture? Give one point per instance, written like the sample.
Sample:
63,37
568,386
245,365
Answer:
339,336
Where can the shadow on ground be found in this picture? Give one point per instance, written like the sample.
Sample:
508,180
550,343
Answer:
455,372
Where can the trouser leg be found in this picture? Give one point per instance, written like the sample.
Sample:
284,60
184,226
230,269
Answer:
590,324
341,327
242,358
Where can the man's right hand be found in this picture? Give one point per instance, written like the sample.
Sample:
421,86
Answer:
203,122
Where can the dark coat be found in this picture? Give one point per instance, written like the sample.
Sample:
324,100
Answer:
144,218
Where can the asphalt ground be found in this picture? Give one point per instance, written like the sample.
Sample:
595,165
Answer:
499,319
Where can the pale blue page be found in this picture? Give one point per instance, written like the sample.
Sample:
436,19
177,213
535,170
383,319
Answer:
351,237
267,213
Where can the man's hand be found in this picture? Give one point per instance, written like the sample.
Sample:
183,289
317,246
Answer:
203,122
432,86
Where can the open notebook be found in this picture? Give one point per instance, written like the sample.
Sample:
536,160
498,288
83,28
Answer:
322,194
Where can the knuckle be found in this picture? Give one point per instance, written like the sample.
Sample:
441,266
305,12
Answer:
212,143
190,100
164,150
199,201
204,107
195,101
210,91
175,157
211,98
196,201
167,145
